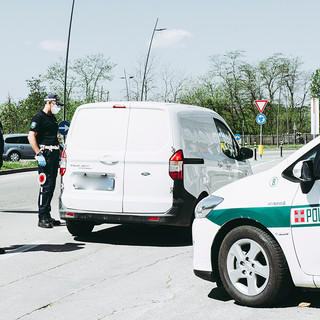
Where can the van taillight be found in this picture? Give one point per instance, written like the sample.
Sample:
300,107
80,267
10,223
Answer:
63,163
176,165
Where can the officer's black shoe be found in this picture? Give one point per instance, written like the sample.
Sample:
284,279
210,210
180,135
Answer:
55,222
45,224
2,251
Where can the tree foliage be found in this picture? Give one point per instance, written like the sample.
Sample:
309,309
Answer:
232,85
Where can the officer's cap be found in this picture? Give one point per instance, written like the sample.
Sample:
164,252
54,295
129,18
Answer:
53,97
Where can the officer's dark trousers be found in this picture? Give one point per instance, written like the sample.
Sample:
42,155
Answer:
47,179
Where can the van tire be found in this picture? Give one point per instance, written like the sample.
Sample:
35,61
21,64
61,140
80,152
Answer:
253,268
79,228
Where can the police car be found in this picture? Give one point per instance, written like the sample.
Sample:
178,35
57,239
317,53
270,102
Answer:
260,235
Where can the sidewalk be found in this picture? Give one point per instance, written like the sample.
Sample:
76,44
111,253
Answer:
3,172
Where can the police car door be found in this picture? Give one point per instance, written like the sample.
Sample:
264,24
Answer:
305,222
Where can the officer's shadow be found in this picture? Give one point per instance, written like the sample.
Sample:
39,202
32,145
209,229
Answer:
47,247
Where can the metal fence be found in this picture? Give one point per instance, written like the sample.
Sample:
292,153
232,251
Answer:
286,139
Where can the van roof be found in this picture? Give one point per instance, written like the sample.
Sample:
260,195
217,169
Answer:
145,105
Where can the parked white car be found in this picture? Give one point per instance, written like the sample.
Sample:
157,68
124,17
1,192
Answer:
144,162
259,235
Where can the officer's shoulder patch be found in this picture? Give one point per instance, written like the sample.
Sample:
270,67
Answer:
33,125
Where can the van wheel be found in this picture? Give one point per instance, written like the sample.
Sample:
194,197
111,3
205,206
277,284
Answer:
79,228
14,156
253,268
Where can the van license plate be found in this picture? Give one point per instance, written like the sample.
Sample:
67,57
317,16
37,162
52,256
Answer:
93,182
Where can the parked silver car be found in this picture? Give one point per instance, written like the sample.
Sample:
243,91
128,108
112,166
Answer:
16,147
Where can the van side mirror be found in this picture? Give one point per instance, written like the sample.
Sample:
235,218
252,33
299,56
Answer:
245,153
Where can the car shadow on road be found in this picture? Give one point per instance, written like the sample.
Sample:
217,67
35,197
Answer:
298,298
141,235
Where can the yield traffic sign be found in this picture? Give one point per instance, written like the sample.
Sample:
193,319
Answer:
261,104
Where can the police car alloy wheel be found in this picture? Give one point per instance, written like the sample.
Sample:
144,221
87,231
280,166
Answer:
253,268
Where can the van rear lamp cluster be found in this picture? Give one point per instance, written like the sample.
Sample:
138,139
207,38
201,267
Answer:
63,163
153,218
70,214
176,166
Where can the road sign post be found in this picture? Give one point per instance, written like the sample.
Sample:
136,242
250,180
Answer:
261,119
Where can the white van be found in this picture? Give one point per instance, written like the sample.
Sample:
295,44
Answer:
144,162
259,235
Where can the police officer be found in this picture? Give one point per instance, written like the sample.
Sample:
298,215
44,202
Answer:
44,141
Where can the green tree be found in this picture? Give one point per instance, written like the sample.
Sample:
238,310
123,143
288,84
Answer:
315,84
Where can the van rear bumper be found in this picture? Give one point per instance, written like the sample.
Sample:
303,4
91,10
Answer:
170,218
178,215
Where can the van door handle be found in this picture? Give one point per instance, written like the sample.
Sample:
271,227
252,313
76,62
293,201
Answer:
109,161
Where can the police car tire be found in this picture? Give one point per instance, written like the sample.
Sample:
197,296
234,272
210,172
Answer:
79,228
274,287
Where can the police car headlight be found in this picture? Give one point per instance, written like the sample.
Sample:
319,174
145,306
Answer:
206,205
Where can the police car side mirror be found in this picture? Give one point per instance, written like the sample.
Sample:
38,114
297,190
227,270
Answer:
303,171
245,153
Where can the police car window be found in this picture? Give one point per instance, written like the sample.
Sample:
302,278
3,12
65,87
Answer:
12,140
228,144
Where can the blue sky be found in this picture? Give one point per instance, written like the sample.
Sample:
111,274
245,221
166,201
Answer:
33,34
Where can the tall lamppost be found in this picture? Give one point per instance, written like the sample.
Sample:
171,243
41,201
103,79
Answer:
127,87
145,68
66,66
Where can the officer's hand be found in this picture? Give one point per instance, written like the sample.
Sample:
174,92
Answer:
41,160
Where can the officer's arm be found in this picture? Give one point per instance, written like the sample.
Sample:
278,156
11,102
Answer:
33,141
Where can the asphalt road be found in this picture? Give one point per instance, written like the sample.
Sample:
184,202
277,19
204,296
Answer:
118,272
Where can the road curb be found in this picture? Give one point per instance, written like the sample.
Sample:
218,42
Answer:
3,172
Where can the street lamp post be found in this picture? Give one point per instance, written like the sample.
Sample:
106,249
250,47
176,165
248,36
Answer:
278,115
66,66
127,86
145,68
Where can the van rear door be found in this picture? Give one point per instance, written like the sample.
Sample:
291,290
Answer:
95,159
147,184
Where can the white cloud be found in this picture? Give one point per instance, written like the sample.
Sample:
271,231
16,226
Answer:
52,45
175,38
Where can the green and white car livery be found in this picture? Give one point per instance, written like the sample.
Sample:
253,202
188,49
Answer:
259,235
